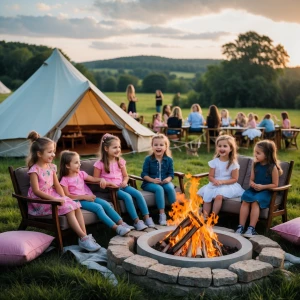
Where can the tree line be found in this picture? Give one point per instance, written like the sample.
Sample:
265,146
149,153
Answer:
254,74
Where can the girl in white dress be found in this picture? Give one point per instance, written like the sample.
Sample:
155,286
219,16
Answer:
251,132
223,176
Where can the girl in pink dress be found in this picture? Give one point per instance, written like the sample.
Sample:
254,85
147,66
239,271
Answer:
44,184
112,171
72,181
251,132
158,123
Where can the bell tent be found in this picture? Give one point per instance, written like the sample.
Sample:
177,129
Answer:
4,89
55,96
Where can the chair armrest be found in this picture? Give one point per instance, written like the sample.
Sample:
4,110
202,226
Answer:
42,201
179,174
201,175
136,177
280,188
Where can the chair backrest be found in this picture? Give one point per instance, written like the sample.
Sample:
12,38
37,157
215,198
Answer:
20,180
287,168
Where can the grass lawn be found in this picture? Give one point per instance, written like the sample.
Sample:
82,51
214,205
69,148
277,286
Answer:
52,276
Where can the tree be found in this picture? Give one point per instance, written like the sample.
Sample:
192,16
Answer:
154,82
257,49
126,79
110,85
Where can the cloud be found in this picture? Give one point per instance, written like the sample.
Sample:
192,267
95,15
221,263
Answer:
13,7
44,7
158,11
89,28
108,46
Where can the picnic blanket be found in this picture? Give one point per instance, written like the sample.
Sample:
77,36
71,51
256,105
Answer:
92,259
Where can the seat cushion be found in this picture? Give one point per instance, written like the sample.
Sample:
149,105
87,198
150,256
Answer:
19,247
289,230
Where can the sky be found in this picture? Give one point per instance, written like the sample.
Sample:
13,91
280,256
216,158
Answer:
89,30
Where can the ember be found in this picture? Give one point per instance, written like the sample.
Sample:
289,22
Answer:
193,236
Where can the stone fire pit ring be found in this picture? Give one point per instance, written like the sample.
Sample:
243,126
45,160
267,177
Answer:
146,241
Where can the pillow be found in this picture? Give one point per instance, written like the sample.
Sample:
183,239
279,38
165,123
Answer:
19,247
289,230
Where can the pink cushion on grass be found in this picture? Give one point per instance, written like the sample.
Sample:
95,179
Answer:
289,230
19,247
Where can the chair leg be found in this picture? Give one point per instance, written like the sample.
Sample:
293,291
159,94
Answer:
22,226
284,217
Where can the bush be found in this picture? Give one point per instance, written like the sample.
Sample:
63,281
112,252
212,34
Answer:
297,102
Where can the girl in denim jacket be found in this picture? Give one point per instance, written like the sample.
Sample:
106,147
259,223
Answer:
158,173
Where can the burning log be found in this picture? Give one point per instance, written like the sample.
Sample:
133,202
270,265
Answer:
189,251
204,247
166,248
199,252
217,246
178,245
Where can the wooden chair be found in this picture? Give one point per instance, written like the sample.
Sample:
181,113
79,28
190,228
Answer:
211,135
174,137
53,223
289,142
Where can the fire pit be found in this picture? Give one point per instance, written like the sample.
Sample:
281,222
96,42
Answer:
146,242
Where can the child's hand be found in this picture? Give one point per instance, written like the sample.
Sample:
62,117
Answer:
123,184
166,180
103,183
62,200
112,185
156,180
258,187
90,198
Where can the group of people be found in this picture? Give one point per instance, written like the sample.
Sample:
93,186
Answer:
109,171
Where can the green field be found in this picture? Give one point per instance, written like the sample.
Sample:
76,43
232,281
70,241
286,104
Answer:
53,276
184,75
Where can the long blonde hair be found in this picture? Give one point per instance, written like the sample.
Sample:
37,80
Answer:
106,141
38,144
167,143
233,147
268,147
176,112
130,92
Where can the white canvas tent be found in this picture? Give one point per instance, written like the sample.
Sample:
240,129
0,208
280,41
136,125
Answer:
4,89
56,95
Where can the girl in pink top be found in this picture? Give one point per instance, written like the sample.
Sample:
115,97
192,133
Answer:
286,124
112,171
72,181
44,184
157,123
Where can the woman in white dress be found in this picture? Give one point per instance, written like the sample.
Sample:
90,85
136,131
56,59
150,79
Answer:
223,176
251,132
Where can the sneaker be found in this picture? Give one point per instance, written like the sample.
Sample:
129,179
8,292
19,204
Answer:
250,232
240,229
121,230
162,219
149,222
127,226
88,243
140,225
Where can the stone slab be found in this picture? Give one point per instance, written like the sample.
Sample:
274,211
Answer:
164,273
223,277
138,264
122,241
259,242
249,270
118,254
199,277
273,256
136,234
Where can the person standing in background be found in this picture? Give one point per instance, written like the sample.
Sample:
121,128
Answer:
158,100
130,92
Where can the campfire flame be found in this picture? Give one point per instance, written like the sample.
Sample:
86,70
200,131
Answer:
204,242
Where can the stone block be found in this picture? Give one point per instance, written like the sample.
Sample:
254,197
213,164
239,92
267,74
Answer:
259,242
122,241
273,256
138,264
223,277
249,270
164,273
199,277
224,229
149,229
118,254
136,234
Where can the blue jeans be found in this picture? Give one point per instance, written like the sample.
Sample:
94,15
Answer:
159,191
158,108
103,210
126,195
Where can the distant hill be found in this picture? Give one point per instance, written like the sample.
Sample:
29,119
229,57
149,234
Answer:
153,63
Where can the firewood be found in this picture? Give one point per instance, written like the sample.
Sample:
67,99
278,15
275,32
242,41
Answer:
189,251
203,247
166,248
199,252
217,246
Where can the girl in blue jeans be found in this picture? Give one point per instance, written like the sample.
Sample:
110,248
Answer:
111,170
72,182
158,173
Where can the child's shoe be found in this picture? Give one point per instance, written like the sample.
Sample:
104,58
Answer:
149,222
122,230
140,225
240,229
162,219
250,232
88,243
127,226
